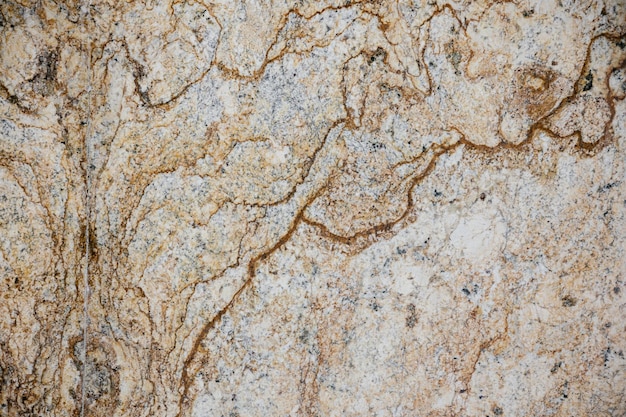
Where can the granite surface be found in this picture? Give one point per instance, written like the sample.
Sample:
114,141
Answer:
312,208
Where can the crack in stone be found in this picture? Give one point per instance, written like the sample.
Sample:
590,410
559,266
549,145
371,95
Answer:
88,204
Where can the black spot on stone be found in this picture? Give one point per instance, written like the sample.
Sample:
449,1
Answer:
411,318
568,301
606,354
608,186
50,64
378,55
304,336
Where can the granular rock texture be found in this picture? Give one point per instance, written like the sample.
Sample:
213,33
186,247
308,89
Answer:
312,208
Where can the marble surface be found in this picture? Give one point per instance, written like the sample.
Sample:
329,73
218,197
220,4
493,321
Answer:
312,208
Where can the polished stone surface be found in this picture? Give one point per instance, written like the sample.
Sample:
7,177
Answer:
312,208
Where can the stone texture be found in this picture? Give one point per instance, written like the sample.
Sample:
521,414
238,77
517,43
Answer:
333,208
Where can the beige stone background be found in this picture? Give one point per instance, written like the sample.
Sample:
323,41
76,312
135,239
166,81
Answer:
312,208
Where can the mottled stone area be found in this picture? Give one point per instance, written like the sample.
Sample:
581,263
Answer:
312,208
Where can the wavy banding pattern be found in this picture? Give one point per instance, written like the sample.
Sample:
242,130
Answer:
358,207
